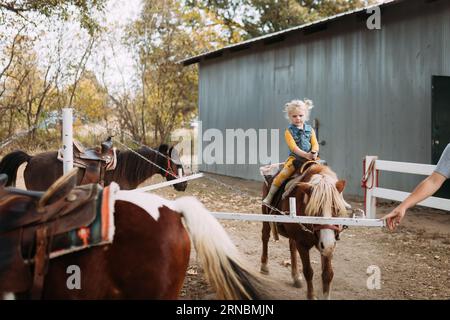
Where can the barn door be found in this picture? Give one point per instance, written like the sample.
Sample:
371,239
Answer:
440,124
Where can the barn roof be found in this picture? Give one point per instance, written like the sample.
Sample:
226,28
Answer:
279,36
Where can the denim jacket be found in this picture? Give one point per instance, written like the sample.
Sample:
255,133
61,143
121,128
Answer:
302,137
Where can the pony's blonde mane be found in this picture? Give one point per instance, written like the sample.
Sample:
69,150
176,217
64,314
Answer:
325,197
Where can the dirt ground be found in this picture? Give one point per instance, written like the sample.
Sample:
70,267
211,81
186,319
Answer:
414,260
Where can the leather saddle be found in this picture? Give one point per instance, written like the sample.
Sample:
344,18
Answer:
28,222
300,168
94,161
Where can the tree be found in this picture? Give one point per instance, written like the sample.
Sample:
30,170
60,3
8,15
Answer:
246,19
90,98
33,85
166,92
25,86
63,9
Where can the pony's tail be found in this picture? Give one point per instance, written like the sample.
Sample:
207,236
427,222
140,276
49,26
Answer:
226,272
10,163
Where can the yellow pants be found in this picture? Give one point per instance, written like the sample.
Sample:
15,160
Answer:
285,173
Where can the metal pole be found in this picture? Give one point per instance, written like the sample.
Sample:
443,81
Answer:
292,207
67,139
171,182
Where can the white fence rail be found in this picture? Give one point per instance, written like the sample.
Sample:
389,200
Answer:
171,182
355,222
373,191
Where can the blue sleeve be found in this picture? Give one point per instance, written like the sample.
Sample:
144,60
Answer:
443,166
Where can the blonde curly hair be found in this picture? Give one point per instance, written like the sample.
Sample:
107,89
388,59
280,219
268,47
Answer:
306,104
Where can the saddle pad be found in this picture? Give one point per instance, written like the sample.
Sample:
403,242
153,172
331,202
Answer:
99,232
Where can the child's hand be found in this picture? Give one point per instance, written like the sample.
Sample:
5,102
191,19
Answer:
310,156
314,155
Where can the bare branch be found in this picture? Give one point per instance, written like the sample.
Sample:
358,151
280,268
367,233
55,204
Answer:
81,67
11,56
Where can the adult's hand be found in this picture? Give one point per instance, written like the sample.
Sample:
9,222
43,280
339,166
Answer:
394,217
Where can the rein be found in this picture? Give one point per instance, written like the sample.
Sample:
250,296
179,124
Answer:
169,169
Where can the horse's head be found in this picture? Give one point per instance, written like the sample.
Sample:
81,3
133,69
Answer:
171,163
320,194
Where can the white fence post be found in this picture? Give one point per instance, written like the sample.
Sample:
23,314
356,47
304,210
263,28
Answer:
372,182
292,207
395,195
67,129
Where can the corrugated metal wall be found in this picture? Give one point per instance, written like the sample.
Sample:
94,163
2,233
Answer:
371,89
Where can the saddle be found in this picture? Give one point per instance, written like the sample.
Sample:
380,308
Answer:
94,161
29,221
300,166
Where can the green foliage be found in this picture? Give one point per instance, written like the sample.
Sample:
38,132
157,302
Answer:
246,19
63,9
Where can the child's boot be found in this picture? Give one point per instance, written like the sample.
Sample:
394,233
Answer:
272,191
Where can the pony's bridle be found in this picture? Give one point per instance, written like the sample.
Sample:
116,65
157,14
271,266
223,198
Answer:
169,169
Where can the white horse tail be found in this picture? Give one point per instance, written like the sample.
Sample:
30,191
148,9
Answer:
225,270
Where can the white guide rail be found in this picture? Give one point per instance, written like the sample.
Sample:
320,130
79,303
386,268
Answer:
171,182
355,222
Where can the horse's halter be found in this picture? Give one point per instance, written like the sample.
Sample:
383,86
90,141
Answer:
169,170
337,229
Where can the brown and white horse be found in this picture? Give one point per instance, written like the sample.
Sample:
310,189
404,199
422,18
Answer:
149,255
318,194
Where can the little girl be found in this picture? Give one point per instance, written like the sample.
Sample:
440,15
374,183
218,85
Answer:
301,140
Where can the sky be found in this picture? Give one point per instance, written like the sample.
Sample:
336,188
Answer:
118,13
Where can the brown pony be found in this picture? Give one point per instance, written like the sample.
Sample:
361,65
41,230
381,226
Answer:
318,194
44,168
148,257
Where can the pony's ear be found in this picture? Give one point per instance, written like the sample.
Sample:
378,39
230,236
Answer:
340,185
164,148
305,187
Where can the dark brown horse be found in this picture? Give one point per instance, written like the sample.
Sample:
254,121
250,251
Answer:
148,257
44,168
318,194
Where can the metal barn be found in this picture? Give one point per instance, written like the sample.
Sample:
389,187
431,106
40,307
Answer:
376,92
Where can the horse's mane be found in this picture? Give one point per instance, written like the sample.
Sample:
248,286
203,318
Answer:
131,165
324,196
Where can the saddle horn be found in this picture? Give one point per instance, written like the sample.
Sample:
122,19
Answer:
60,188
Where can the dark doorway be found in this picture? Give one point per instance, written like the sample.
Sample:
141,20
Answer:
440,124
